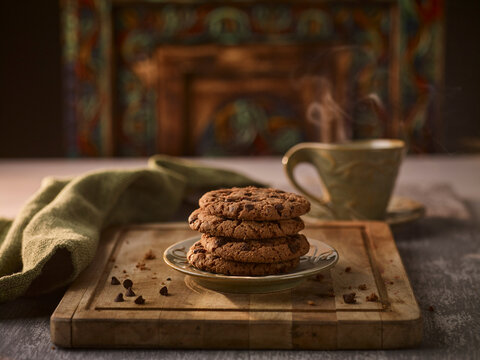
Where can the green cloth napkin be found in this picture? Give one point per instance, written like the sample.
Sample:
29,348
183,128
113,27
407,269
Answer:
55,235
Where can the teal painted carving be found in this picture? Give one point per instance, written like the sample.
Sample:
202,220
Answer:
90,27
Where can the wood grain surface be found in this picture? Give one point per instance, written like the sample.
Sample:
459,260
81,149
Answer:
312,316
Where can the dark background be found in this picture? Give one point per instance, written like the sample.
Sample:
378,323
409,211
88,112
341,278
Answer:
31,87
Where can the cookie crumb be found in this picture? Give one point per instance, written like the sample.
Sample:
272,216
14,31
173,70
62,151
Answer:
310,302
141,265
119,298
127,283
348,269
115,281
362,287
349,298
149,255
139,300
164,291
431,308
372,297
168,279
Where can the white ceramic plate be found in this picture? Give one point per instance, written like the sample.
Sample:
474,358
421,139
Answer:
320,258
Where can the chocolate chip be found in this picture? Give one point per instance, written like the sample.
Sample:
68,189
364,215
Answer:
140,300
293,247
119,298
129,292
249,207
196,251
279,207
127,283
220,242
246,247
193,219
115,281
164,291
349,298
348,269
248,194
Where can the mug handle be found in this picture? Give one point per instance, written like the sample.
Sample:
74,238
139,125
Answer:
296,155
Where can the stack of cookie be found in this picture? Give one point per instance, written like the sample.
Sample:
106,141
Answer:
248,231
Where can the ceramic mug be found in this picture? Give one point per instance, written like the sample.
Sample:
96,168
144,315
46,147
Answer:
357,178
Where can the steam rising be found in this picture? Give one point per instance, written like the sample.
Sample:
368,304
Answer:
327,114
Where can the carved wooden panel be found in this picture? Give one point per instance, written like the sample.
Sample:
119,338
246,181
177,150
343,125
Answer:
387,54
211,97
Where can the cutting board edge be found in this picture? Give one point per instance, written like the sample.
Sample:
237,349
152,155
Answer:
390,332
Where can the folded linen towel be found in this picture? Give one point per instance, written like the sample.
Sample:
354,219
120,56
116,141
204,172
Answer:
55,235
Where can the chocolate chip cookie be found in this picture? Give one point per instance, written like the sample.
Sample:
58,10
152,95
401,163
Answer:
206,223
203,260
256,251
252,203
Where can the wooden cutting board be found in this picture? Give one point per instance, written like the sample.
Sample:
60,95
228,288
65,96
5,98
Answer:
311,316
